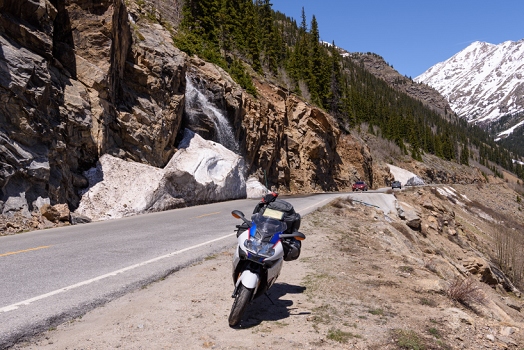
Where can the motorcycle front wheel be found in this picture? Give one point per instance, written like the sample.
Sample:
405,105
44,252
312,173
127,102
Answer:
239,305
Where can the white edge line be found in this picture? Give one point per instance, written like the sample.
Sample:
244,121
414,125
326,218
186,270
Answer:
114,273
316,204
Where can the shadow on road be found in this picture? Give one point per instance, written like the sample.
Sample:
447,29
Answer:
264,309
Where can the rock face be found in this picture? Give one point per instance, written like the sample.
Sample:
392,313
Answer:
83,79
286,142
74,85
200,172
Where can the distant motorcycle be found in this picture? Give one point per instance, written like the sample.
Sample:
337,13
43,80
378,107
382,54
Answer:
263,245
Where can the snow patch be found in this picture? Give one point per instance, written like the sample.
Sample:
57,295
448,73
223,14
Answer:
400,174
483,82
199,172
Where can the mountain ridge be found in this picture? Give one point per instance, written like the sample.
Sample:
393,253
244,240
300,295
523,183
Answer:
429,96
483,82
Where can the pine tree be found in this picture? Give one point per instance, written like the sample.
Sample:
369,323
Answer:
315,74
464,155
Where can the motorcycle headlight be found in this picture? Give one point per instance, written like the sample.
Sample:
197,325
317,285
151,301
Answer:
259,248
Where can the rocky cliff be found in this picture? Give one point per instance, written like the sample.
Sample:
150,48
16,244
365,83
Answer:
81,79
287,142
75,85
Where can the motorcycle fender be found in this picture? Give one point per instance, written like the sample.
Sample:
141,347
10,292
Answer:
248,279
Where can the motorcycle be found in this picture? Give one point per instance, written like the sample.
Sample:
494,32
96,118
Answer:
258,259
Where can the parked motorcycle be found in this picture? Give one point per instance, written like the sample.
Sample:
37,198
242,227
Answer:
263,245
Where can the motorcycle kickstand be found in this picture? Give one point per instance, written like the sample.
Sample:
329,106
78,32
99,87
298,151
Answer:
267,295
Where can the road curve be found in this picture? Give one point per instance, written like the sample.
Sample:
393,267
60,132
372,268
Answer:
50,276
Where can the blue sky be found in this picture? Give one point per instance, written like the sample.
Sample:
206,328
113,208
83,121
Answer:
411,35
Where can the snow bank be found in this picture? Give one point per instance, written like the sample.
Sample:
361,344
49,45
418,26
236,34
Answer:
400,174
201,171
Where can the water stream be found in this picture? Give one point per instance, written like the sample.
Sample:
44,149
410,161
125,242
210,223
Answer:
199,107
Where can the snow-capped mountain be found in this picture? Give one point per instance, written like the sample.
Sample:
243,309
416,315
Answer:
483,82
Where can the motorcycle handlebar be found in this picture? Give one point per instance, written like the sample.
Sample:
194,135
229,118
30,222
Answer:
297,235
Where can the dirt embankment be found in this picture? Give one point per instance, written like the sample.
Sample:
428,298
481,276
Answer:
363,281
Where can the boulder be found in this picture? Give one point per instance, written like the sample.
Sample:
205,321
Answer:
39,203
16,204
507,331
478,266
410,215
204,171
77,219
50,213
63,211
412,219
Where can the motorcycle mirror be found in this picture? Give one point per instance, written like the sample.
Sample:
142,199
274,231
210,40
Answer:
237,214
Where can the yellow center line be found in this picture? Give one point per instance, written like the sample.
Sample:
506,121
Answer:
25,250
201,216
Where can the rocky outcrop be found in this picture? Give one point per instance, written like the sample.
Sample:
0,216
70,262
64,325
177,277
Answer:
39,108
287,143
443,213
74,85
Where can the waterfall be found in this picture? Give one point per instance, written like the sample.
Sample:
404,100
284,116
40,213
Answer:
199,109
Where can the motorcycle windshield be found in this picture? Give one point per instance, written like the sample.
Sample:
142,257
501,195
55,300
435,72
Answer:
267,227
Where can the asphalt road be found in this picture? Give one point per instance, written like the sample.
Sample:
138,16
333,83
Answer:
49,276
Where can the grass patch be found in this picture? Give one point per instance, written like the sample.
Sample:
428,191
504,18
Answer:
407,269
434,332
324,314
314,282
428,302
406,339
379,312
381,283
341,336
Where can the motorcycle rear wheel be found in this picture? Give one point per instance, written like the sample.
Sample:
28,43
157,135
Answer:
239,305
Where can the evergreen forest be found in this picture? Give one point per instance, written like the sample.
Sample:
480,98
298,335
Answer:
248,37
